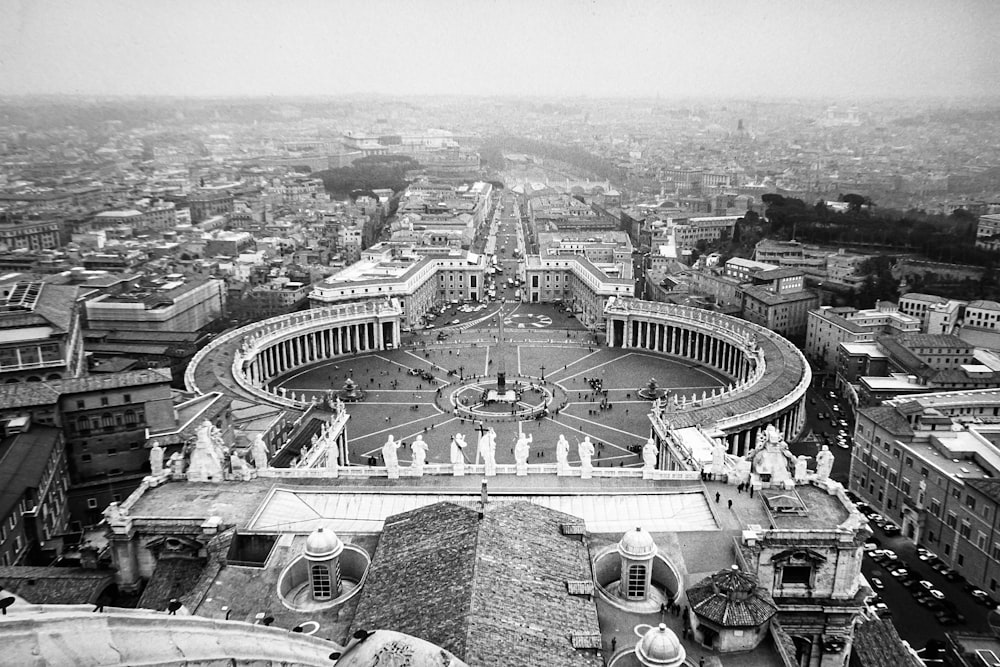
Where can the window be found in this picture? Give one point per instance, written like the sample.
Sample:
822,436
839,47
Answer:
636,581
85,458
947,549
322,589
104,400
952,520
112,451
796,575
92,503
79,405
981,540
909,461
961,559
127,398
965,530
970,502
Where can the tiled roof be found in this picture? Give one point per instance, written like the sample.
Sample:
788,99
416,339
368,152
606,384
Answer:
877,644
55,585
723,599
23,457
888,418
48,391
492,590
989,487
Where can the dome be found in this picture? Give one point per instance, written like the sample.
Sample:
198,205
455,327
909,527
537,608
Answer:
660,647
323,545
637,544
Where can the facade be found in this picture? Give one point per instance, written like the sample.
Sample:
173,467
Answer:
576,281
778,307
168,304
827,328
929,463
34,479
209,203
30,234
40,336
417,281
103,420
988,232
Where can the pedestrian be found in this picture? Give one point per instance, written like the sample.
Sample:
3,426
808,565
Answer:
614,644
701,662
751,491
717,497
663,608
173,606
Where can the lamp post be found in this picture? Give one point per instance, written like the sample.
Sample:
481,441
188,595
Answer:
542,369
461,372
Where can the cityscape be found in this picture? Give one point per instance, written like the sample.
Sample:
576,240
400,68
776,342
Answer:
555,334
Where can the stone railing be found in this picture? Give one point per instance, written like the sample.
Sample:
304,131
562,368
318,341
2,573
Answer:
476,470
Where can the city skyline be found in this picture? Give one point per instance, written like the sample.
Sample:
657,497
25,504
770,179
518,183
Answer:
596,49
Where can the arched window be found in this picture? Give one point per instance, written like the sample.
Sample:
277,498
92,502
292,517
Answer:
107,421
129,417
321,586
83,423
636,581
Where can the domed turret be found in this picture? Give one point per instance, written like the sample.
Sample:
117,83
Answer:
323,545
637,544
659,647
323,549
637,549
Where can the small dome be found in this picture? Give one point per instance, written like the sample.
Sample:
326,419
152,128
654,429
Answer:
323,545
660,647
637,544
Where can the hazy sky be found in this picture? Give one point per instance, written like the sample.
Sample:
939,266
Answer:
535,47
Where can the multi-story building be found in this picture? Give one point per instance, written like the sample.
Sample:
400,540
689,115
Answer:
210,202
104,420
171,303
930,463
827,327
599,247
988,232
688,233
30,233
980,325
776,299
577,282
39,332
229,244
419,281
920,306
34,479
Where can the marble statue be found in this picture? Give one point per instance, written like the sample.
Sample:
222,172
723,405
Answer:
457,456
389,457
240,468
419,455
649,452
771,456
259,452
113,513
488,451
562,454
206,464
522,448
585,450
176,465
824,463
156,459
801,468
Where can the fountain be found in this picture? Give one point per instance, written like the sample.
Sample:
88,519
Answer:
652,391
351,392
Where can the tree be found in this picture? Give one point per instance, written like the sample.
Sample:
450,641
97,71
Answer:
855,201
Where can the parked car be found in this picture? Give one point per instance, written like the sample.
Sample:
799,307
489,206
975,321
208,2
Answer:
877,583
938,595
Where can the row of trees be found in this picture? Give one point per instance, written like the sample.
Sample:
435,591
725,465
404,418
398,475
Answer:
492,150
941,238
369,173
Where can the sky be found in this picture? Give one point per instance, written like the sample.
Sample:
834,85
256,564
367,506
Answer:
599,48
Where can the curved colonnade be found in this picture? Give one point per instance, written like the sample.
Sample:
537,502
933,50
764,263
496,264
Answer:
769,375
270,348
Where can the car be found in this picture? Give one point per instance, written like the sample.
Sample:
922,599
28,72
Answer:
925,555
927,584
899,572
836,408
453,322
870,546
882,609
938,595
982,597
889,528
877,583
